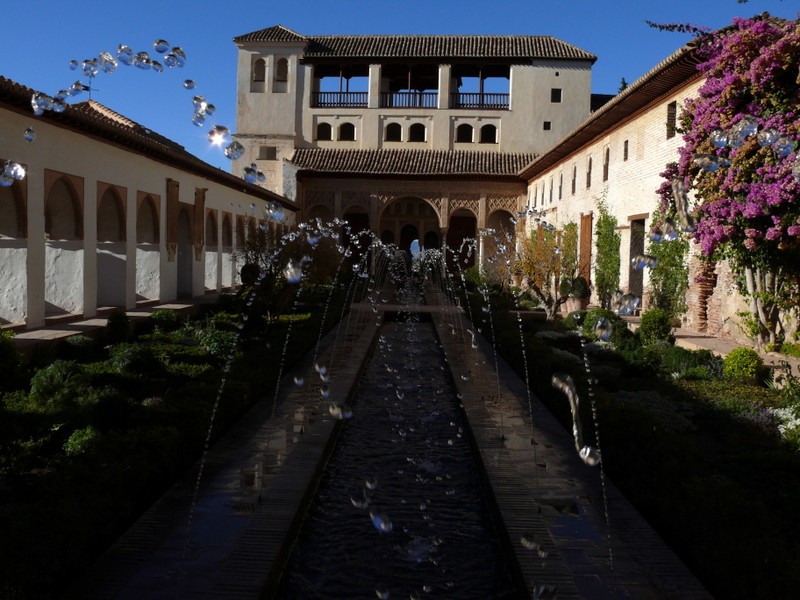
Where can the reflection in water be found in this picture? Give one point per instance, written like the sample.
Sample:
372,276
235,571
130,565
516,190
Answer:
399,511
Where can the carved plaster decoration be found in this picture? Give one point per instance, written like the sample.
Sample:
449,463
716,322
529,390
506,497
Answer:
507,203
350,199
470,201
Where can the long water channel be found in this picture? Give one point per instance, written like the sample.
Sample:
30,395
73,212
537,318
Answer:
400,512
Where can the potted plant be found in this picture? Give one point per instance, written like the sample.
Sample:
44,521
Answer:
577,293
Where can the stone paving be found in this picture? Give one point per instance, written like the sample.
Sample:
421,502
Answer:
231,539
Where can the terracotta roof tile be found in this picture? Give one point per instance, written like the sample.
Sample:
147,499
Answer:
396,162
423,46
95,119
277,33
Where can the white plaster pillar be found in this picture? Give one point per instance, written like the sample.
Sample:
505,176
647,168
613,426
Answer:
35,310
130,249
444,86
374,96
89,247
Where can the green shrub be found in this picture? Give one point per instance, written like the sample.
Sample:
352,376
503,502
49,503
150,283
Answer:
58,386
594,315
166,320
217,342
743,364
10,361
81,441
80,348
655,326
791,349
118,327
681,363
135,359
574,320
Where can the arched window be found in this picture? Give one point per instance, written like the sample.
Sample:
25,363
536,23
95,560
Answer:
259,69
110,218
393,132
347,132
574,179
589,173
259,74
282,70
488,134
211,231
280,79
464,133
147,222
324,132
416,133
62,216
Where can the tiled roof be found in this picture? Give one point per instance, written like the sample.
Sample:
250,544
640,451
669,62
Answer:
423,46
94,119
676,70
396,162
277,33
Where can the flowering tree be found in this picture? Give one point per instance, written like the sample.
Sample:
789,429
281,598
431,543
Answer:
546,258
740,158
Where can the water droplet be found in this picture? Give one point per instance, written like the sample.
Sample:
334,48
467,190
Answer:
234,150
325,391
29,134
210,109
382,592
12,171
175,58
189,84
218,135
380,521
299,381
125,54
707,162
466,376
161,46
783,146
746,127
341,412
400,395
371,483
251,173
198,119
719,139
157,66
293,272
603,329
767,137
590,455
143,61
73,64
89,67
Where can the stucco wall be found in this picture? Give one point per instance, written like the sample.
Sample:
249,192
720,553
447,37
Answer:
13,291
77,276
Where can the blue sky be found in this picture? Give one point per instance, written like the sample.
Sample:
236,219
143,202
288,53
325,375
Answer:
40,38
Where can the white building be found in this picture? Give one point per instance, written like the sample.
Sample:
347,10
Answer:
111,214
411,136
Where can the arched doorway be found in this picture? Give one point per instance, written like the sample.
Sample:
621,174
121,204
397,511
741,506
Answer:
148,255
407,219
357,235
212,252
64,248
111,251
184,255
461,234
498,246
407,235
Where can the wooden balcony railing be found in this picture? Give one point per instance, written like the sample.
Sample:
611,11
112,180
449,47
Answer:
339,99
409,99
478,100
